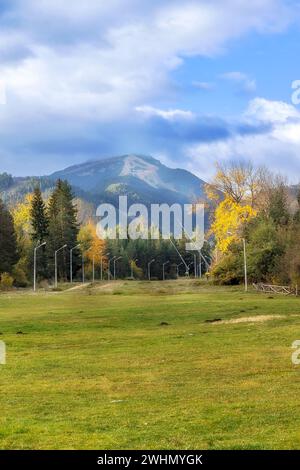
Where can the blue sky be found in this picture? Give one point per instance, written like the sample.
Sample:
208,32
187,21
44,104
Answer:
189,82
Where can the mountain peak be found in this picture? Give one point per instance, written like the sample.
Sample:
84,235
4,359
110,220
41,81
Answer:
143,178
135,171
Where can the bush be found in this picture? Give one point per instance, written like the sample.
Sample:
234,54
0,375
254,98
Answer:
44,284
20,277
228,271
6,281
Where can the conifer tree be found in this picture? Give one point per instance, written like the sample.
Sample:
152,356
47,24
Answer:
63,227
39,219
8,243
39,232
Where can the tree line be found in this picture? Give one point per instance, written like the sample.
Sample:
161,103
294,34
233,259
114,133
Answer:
32,222
249,203
53,225
255,205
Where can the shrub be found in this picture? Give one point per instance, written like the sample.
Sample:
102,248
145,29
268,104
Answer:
20,277
228,271
6,281
44,284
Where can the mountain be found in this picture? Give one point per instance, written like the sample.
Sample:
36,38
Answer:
143,178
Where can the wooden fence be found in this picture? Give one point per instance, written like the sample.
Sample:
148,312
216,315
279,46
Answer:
272,289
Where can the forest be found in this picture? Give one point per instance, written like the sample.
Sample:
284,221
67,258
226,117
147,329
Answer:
244,202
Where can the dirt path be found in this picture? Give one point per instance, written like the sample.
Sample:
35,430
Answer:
81,286
254,319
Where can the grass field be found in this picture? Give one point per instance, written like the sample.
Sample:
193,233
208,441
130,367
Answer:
137,365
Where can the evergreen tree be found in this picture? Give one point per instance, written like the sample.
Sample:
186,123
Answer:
278,206
39,219
63,228
39,233
8,243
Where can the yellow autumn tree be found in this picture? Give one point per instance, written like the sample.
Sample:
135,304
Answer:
228,221
22,223
21,215
91,245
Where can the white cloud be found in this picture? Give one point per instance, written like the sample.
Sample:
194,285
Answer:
169,115
81,63
264,110
206,86
104,57
245,84
278,147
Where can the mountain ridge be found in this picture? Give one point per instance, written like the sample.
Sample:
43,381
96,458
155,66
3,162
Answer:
142,178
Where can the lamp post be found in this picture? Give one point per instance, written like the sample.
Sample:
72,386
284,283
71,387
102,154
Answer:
177,269
108,273
107,254
93,268
245,265
83,273
34,264
187,273
245,262
55,262
116,259
133,261
149,269
164,264
71,262
195,265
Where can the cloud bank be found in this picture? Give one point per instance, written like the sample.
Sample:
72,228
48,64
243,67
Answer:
84,79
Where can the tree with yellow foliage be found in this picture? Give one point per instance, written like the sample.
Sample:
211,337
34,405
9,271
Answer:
92,247
22,215
22,222
229,219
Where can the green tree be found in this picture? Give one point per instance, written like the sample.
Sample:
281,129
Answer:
8,243
278,206
38,217
265,248
6,181
63,227
39,229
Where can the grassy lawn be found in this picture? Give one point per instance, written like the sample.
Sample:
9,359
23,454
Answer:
138,366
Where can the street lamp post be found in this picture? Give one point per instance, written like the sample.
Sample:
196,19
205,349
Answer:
107,254
83,273
55,262
164,264
245,265
34,264
149,269
177,269
115,260
195,265
71,262
108,273
188,269
93,268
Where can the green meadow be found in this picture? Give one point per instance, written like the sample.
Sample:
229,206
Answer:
139,365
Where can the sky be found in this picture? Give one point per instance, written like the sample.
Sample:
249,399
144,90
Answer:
188,82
